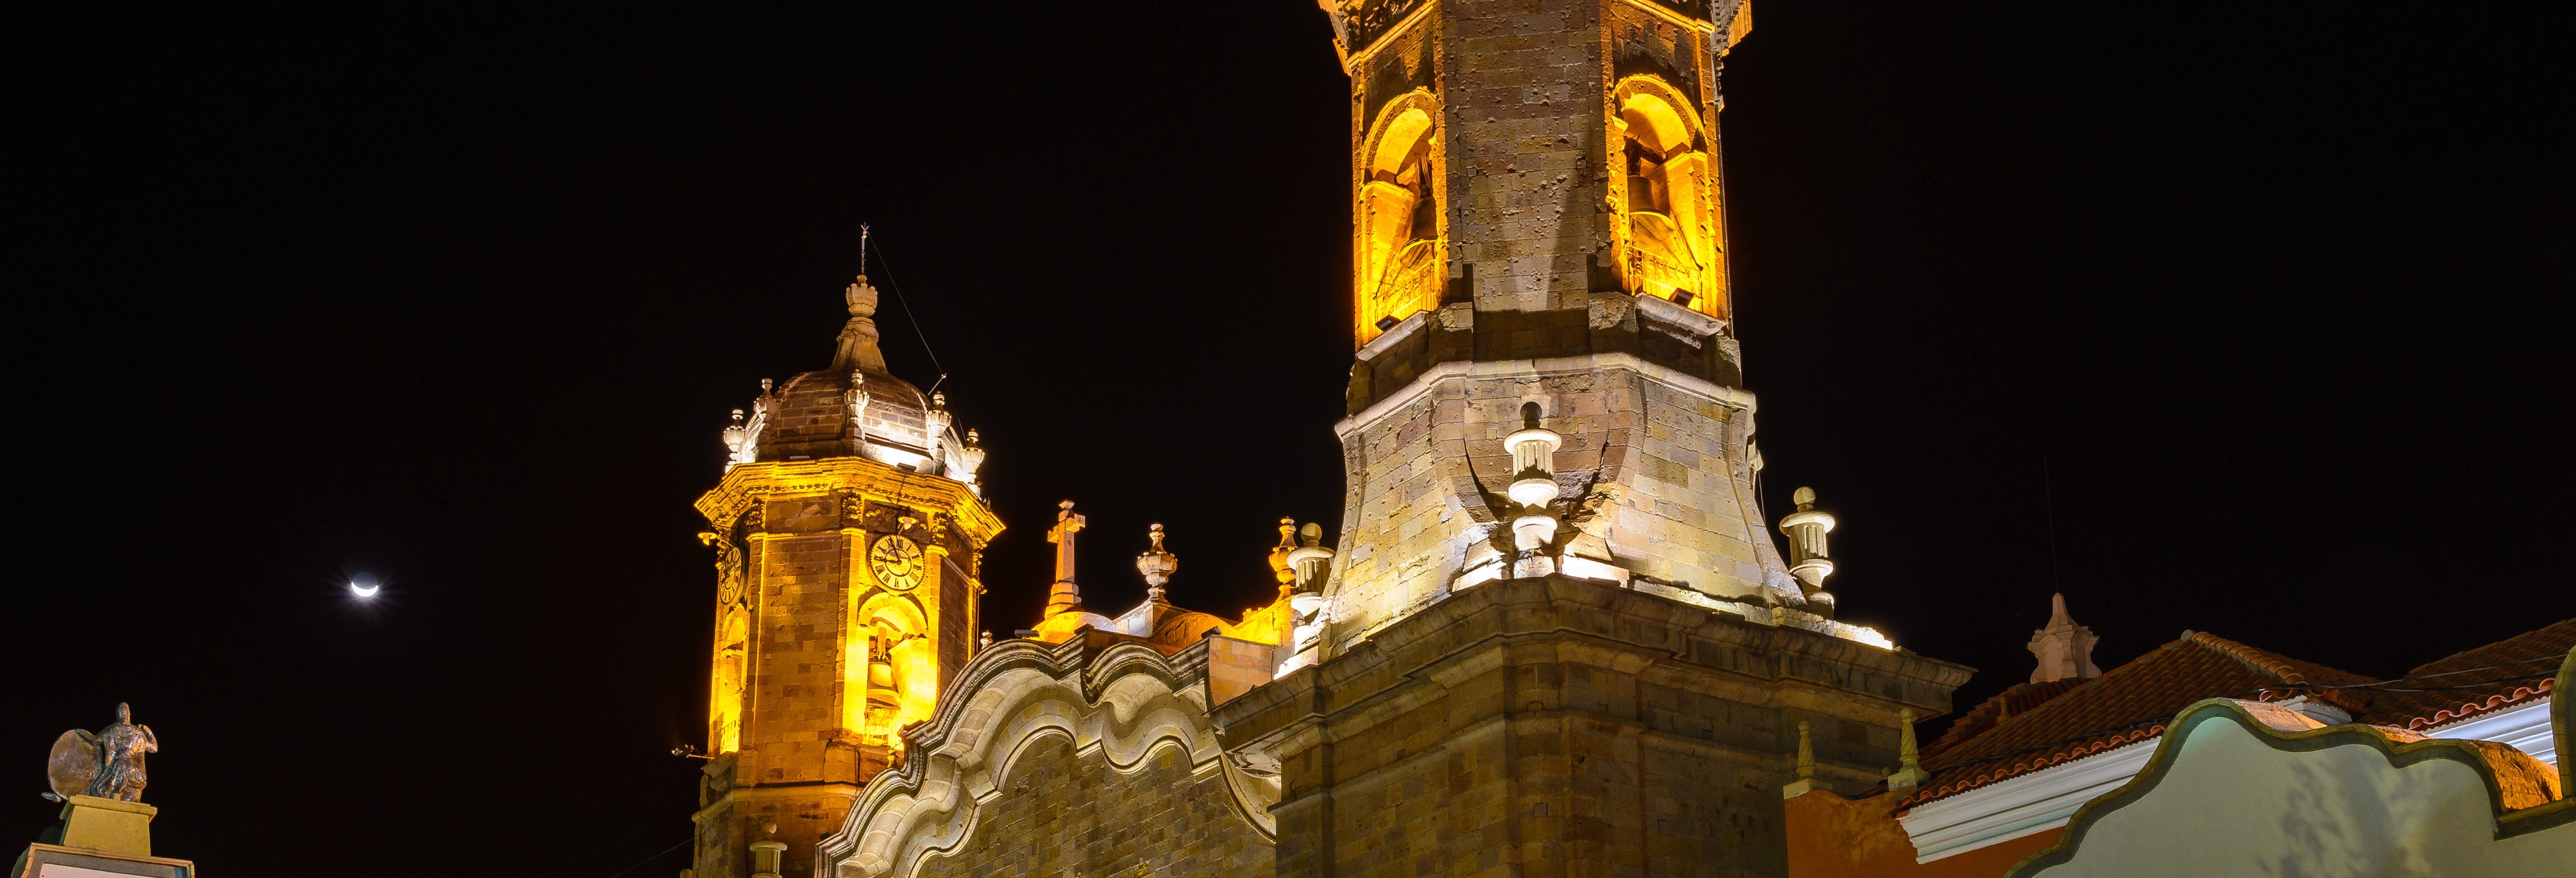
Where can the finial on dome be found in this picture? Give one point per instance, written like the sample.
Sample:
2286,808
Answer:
970,458
1311,559
1280,569
861,297
1157,564
735,435
859,337
1809,559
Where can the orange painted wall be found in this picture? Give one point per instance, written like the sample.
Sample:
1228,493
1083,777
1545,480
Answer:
1834,837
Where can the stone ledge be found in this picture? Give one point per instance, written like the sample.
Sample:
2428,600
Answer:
1451,370
1678,639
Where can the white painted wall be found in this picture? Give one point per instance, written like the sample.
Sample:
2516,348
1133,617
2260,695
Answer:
2523,726
2231,805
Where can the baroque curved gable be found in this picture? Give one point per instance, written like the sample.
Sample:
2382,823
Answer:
1105,697
2230,792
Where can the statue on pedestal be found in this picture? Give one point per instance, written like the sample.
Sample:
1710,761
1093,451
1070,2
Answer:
108,765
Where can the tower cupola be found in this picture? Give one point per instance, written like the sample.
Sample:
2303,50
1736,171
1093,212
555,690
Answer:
856,408
849,535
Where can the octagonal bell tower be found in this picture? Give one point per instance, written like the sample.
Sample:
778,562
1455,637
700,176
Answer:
849,533
1556,636
1546,376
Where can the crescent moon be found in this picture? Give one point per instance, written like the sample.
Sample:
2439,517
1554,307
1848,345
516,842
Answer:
365,591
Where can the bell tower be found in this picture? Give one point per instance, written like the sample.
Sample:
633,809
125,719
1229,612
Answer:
1547,377
849,531
1556,636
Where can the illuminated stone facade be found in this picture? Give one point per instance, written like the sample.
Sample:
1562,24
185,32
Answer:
1554,635
1571,149
848,535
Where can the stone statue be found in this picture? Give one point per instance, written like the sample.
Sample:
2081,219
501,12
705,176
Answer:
108,765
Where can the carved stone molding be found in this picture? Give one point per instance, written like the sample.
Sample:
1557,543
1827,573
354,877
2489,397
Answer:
860,481
1108,694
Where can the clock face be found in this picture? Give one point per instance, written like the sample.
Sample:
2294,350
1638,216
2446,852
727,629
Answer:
896,560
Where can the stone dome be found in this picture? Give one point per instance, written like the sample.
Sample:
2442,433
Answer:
810,418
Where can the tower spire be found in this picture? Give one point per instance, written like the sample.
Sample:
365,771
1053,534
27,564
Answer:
859,337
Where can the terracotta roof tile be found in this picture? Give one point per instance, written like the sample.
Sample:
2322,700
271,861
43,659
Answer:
2127,704
2499,674
2012,702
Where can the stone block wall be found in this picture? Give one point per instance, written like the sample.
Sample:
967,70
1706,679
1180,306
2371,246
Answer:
801,813
1093,756
1523,116
1562,727
1235,666
1071,814
795,674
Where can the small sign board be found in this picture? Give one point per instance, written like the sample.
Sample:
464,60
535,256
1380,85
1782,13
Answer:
56,861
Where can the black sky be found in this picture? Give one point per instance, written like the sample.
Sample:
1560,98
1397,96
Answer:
2276,297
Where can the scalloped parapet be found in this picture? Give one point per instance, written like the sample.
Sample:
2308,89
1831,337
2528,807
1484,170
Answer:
1037,739
2240,788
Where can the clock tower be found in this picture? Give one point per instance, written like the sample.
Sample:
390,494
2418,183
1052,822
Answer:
848,531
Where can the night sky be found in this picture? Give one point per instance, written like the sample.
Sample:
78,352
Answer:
2262,310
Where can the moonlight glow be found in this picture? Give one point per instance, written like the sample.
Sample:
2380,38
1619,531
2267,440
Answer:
364,588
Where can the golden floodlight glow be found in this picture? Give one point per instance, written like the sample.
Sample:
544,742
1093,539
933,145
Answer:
1398,255
1667,192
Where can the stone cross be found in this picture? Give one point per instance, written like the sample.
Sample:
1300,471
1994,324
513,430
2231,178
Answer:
1065,596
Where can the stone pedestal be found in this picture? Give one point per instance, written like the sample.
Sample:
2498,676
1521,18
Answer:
108,825
1558,726
101,837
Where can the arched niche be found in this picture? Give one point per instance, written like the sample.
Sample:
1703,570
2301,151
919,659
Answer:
1397,256
733,638
894,667
1674,246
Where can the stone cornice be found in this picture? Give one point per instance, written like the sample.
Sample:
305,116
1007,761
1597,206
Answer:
1665,641
1543,367
745,484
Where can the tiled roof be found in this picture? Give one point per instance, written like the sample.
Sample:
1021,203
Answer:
2012,702
2127,704
2466,684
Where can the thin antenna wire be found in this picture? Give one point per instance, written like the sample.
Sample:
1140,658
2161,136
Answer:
665,852
900,300
2048,501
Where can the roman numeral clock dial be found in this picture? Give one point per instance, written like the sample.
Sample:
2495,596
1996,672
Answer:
896,560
